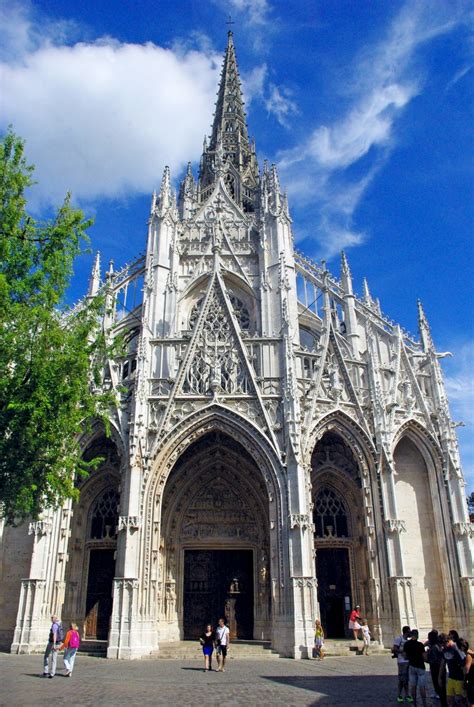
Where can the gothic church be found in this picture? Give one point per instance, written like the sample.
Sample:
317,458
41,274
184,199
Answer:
281,450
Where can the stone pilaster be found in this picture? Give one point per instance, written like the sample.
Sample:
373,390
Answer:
403,601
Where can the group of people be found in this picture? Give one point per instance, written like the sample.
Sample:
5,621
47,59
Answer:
356,624
451,664
218,639
58,641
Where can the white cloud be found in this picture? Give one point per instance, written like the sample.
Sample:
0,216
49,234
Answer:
280,104
368,124
379,86
103,118
256,10
253,83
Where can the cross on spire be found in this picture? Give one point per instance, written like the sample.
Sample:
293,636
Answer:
229,23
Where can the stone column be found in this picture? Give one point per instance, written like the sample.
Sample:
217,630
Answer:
303,583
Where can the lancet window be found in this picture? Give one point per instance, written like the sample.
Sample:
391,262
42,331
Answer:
104,516
330,515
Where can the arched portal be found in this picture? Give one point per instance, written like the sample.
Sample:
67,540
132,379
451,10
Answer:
419,541
215,541
341,562
93,543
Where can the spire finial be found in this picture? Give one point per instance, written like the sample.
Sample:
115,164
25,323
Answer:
345,264
424,327
229,24
367,296
94,282
346,276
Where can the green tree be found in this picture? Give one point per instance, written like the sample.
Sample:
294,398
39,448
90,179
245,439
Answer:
47,358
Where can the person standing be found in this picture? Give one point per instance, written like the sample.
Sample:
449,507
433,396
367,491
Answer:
434,651
223,642
454,658
71,644
355,620
402,663
207,641
469,677
415,652
365,638
51,653
318,640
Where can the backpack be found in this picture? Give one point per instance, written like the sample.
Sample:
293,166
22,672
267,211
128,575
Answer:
59,634
74,640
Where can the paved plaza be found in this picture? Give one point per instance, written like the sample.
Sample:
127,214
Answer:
357,681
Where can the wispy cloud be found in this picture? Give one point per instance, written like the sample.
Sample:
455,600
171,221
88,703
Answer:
257,11
102,113
380,84
458,76
280,104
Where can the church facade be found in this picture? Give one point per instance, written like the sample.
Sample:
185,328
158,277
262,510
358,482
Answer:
281,450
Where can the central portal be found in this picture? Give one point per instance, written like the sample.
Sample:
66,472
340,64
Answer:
218,583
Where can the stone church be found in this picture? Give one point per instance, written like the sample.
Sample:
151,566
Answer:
281,449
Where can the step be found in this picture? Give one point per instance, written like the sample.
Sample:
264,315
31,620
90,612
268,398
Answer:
93,648
338,647
190,650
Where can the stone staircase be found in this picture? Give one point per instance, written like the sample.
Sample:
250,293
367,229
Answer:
345,647
96,649
242,650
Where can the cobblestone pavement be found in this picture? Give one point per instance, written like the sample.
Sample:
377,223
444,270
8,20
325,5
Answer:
356,681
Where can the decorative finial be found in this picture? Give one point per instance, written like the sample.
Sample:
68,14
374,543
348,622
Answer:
229,24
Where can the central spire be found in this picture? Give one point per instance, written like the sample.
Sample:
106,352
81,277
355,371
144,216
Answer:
229,118
229,152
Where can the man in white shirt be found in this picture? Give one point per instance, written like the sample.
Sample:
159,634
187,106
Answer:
223,641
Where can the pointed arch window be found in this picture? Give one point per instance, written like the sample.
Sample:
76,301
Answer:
104,516
330,515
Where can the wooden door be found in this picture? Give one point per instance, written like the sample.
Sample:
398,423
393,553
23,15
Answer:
334,590
99,594
218,583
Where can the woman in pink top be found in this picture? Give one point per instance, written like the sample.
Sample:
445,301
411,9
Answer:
355,622
71,644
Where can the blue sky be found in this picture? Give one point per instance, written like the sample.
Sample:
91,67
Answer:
366,107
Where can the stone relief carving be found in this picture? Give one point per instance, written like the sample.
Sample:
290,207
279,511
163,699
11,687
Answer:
129,523
301,520
463,529
40,527
219,512
394,526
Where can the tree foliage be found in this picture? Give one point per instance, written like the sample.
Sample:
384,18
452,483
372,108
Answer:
46,396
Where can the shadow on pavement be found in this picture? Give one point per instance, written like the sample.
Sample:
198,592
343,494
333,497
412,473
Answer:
351,689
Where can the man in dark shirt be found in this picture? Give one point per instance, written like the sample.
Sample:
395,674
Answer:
415,652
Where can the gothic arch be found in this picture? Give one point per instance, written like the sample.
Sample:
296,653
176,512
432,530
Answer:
263,496
422,439
342,460
93,544
350,431
97,431
209,418
418,489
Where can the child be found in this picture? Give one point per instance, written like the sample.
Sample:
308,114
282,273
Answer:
365,638
318,640
71,644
